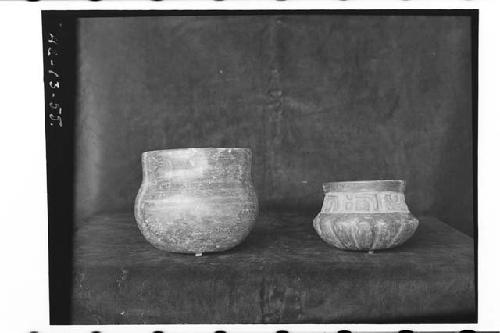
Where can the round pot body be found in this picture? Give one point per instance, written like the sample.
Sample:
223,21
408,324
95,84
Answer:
196,200
365,215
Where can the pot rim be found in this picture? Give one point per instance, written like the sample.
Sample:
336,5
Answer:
397,185
178,150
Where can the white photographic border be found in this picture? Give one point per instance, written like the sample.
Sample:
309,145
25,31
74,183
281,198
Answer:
23,214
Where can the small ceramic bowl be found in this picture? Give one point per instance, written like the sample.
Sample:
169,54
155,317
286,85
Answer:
365,215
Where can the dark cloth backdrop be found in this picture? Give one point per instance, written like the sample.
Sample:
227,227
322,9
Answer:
317,98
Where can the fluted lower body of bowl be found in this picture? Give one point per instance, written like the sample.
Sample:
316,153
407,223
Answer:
365,231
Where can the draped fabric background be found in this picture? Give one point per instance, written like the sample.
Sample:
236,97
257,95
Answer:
317,98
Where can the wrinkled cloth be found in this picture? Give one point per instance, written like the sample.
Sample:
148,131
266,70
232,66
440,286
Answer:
282,273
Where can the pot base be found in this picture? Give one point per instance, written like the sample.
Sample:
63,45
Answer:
195,237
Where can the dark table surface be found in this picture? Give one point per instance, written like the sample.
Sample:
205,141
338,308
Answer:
282,273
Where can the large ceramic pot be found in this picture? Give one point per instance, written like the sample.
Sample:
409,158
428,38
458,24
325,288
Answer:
365,215
196,200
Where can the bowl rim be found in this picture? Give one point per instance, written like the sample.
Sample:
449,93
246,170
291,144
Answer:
178,150
397,185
